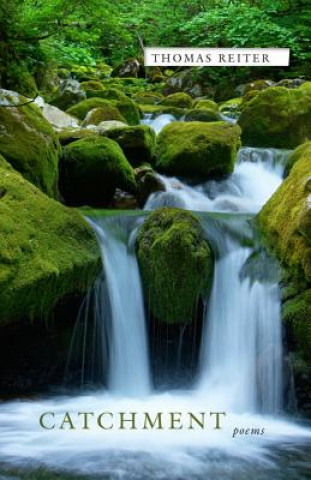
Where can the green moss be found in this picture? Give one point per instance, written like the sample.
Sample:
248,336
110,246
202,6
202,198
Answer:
81,109
109,94
285,219
232,108
149,98
180,100
29,143
277,117
84,73
296,314
129,110
68,136
202,115
197,149
92,85
92,168
205,103
160,109
20,79
102,114
176,264
302,150
46,250
137,142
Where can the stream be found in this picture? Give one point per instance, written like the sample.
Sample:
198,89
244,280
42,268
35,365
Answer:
239,373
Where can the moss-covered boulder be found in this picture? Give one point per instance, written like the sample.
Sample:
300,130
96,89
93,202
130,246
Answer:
296,315
91,169
68,136
301,151
286,218
202,115
180,100
197,149
28,141
102,114
277,117
46,250
108,94
148,182
92,85
149,98
286,224
176,264
205,103
137,143
129,110
81,109
156,110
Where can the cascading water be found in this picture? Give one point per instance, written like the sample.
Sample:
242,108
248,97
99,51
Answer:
240,368
125,320
242,343
159,122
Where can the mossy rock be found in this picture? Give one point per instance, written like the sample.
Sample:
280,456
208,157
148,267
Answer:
285,222
176,264
232,108
91,170
137,142
108,94
102,114
205,103
129,110
28,142
258,86
81,109
298,153
84,73
157,110
202,115
286,217
277,117
180,100
68,136
46,250
92,85
148,182
68,94
296,314
148,98
198,149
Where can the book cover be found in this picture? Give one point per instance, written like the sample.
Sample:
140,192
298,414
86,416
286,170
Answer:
155,229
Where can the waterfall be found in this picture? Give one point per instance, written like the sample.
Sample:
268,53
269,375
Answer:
159,122
125,319
240,360
241,353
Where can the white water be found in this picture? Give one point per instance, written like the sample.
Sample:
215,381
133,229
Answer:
240,370
126,324
257,175
159,122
